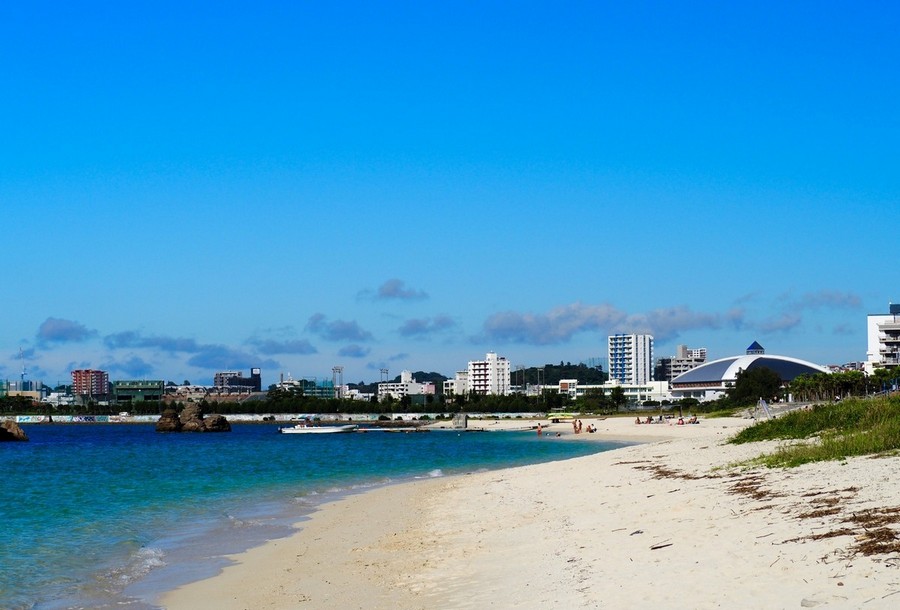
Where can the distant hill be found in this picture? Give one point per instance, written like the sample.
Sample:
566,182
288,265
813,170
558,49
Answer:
552,373
419,376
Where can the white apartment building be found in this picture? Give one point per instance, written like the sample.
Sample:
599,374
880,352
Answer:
883,332
459,385
630,358
407,386
354,394
488,376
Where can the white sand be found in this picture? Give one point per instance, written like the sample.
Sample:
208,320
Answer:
666,524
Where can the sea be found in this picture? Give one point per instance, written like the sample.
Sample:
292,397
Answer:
113,515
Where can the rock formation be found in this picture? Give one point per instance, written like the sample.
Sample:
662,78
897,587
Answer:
217,423
10,431
168,422
191,420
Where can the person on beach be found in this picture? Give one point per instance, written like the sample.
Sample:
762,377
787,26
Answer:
539,429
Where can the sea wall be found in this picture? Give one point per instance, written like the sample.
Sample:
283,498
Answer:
250,418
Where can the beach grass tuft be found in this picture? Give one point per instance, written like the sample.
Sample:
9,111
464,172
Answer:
835,431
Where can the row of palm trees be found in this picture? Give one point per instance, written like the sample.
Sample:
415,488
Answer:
844,384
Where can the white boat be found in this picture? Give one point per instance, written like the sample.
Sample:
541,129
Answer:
305,428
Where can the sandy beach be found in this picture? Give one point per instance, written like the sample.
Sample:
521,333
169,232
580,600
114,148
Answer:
669,523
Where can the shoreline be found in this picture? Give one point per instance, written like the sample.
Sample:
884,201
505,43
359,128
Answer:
667,522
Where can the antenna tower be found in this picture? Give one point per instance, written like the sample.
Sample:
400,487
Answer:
337,380
24,372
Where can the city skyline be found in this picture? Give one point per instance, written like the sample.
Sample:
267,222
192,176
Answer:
197,189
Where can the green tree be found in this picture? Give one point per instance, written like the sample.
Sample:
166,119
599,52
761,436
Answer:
595,401
883,380
617,397
688,404
753,384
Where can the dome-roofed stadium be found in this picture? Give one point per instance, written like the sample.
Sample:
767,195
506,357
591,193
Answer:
710,380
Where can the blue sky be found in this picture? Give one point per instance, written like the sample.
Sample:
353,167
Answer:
199,186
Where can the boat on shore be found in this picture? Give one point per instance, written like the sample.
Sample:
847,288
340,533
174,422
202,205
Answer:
305,428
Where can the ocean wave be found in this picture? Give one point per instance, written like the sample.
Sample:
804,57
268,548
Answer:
432,474
237,522
137,566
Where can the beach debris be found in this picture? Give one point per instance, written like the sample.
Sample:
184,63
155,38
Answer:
875,538
664,472
752,486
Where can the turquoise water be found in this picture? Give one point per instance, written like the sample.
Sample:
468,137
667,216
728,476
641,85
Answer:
104,516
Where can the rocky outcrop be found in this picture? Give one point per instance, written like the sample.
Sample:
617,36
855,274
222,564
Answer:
217,423
168,422
191,420
10,431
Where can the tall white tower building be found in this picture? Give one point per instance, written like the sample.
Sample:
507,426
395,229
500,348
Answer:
630,358
489,376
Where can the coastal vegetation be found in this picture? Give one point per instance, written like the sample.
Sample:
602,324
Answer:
833,431
762,382
843,384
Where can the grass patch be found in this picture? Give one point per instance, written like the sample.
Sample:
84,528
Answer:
724,413
830,432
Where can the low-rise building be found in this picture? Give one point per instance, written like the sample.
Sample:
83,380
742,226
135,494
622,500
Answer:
129,391
635,393
35,390
307,386
458,386
355,394
712,380
407,386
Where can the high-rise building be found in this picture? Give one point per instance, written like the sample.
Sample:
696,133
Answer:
630,358
683,361
90,382
236,379
489,376
223,378
883,331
